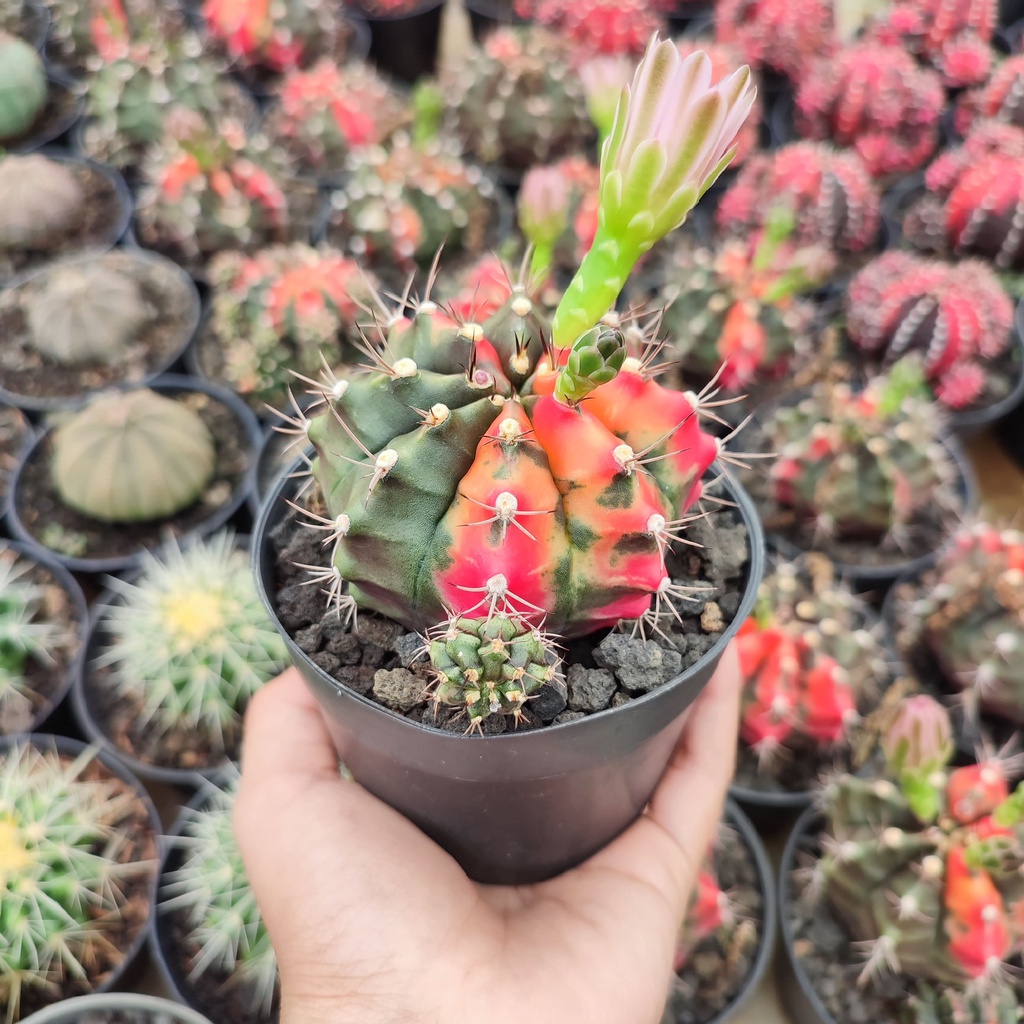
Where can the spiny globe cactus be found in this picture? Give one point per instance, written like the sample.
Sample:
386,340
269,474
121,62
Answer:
828,192
956,316
601,26
809,658
40,200
876,100
31,634
861,464
23,87
87,312
467,476
922,863
282,309
324,113
225,938
187,643
515,101
132,456
77,847
1001,98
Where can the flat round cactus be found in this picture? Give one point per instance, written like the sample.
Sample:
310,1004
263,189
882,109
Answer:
22,86
39,199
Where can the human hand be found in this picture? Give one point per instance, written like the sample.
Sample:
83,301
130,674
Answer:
374,923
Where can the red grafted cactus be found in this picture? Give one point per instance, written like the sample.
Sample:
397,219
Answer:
478,291
602,26
827,192
957,317
875,100
1001,98
785,35
708,912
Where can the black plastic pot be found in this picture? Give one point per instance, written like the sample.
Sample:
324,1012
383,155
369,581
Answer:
16,454
971,421
36,25
268,474
64,106
167,384
487,15
128,969
1010,426
71,1011
405,46
512,808
32,403
692,17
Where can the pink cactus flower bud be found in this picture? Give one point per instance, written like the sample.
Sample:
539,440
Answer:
603,80
920,738
543,204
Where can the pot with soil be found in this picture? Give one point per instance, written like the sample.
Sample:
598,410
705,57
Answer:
82,845
91,322
43,623
209,942
727,940
116,1008
16,434
53,205
174,655
896,902
404,35
133,469
817,673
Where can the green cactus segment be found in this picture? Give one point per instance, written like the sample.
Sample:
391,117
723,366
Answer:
490,666
986,1006
595,359
71,842
22,87
132,456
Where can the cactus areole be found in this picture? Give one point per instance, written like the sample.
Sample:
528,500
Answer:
522,470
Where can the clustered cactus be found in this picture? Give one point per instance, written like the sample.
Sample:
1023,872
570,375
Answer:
132,456
188,643
809,657
827,192
226,937
602,26
23,87
30,637
515,101
75,840
41,200
282,309
922,865
956,317
876,100
862,464
1001,98
969,612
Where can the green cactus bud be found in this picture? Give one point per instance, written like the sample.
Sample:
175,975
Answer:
920,737
87,313
40,199
22,87
595,359
132,456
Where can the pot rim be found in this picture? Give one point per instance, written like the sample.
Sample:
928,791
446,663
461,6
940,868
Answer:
69,1011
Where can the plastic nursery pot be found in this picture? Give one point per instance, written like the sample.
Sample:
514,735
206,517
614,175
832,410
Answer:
518,807
35,25
71,1011
188,311
971,421
487,15
692,17
128,968
1010,426
65,103
77,613
273,463
405,45
17,435
250,437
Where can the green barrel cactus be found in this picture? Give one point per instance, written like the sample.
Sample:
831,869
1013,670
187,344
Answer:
22,87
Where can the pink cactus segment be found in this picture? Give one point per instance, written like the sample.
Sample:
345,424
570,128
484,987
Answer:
482,289
786,35
828,703
976,921
990,139
962,386
976,790
1001,98
965,61
708,911
769,666
602,26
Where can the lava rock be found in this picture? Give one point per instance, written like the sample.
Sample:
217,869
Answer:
308,639
590,689
550,699
407,647
397,688
376,630
297,606
346,648
567,716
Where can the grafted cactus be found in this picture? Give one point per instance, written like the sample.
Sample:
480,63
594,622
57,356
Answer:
1000,98
708,912
23,87
602,26
132,456
40,200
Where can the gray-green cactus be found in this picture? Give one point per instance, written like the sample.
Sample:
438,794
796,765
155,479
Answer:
23,87
132,456
40,200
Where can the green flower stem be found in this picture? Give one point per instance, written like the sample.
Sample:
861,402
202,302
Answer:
541,260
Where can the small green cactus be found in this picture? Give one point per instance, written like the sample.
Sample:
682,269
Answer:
132,456
28,635
74,841
226,935
22,87
87,312
40,200
188,642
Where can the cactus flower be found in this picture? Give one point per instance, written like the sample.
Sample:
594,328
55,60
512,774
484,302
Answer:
671,137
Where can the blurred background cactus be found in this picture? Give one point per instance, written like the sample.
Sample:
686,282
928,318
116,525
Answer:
23,87
40,200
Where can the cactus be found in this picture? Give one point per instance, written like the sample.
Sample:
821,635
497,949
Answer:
828,192
132,456
600,26
467,476
30,638
208,191
785,35
87,312
23,87
921,862
77,845
969,613
226,937
808,659
403,201
957,317
708,913
515,101
324,113
285,308
1001,98
865,464
477,292
974,199
876,100
187,642
41,200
